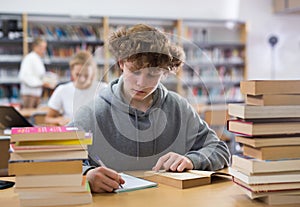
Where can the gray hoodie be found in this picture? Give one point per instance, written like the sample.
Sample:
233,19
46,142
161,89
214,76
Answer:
128,139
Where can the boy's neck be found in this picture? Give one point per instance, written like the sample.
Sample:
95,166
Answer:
143,105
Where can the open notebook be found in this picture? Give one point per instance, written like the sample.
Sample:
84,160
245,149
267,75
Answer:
133,183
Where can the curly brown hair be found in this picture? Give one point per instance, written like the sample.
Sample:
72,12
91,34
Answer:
145,46
178,57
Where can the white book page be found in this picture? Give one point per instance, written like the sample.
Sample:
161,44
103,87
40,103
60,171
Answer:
134,183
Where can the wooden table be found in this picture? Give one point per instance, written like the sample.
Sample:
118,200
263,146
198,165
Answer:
36,116
221,193
28,112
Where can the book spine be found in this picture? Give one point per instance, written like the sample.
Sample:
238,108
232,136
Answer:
87,141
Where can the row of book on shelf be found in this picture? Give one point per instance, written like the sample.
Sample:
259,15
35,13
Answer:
67,51
215,96
88,32
216,55
60,50
10,50
196,73
67,31
268,127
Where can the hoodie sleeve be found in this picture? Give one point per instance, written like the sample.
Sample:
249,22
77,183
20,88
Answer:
205,149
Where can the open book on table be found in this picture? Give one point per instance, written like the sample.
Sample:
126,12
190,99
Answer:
182,180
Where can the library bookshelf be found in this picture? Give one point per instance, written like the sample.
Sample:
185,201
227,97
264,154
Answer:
11,53
215,50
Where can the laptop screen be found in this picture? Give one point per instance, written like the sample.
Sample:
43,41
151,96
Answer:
10,117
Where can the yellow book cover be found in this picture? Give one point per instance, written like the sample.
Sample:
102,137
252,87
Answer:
86,141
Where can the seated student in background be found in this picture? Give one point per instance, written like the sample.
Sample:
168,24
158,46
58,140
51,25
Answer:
137,124
68,97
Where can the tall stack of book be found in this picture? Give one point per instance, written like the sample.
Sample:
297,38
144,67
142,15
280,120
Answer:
268,127
47,163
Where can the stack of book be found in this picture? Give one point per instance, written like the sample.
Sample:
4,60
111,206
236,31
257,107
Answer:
47,163
268,127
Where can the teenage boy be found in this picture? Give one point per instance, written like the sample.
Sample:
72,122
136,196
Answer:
137,123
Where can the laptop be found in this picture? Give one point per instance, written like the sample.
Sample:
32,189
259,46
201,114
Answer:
10,117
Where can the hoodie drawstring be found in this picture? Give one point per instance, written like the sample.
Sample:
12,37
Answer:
137,135
154,135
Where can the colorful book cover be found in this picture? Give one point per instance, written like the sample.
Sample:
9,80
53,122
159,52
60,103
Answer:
87,141
43,129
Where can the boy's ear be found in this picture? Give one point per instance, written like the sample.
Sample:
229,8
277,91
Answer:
121,64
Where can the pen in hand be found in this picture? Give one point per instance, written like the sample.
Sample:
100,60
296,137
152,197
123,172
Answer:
103,165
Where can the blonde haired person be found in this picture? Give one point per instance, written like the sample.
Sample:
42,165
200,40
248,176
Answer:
137,123
68,97
31,75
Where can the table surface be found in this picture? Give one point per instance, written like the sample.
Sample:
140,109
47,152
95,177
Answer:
222,192
30,111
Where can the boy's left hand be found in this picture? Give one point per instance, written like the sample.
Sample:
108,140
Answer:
173,162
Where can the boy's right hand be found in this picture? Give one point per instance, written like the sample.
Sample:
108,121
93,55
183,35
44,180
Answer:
103,179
